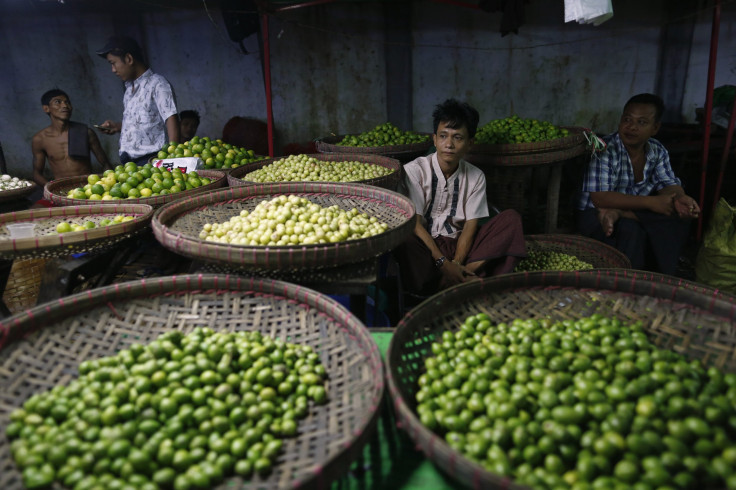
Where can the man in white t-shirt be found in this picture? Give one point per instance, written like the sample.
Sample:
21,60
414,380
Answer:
449,245
150,117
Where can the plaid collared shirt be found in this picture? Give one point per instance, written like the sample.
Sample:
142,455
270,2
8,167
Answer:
611,170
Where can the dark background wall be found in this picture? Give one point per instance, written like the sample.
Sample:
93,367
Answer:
348,66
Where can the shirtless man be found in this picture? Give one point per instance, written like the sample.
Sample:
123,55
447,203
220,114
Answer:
52,143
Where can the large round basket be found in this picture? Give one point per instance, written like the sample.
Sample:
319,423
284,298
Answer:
177,225
56,190
15,194
523,154
236,177
683,316
46,242
43,347
595,253
403,153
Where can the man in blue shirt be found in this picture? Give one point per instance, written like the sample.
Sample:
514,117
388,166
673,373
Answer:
631,198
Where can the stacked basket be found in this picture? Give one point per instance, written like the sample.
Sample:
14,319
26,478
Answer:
510,170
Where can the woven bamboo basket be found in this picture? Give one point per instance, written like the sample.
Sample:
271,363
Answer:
403,153
521,154
43,347
236,177
15,194
177,225
24,283
46,242
597,254
686,317
56,190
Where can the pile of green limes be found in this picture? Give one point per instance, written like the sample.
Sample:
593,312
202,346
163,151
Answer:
586,403
131,181
305,168
517,130
214,152
184,411
385,134
547,260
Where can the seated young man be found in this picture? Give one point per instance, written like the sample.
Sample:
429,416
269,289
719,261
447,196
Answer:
449,246
631,198
65,144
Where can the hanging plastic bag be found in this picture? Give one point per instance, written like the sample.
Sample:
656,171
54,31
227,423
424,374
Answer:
593,12
716,261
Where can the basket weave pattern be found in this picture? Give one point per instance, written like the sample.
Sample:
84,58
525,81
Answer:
390,181
686,317
43,349
24,283
56,190
177,225
597,254
48,243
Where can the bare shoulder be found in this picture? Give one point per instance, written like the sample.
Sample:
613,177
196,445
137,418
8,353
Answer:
41,137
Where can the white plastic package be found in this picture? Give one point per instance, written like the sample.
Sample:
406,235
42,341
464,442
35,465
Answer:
588,11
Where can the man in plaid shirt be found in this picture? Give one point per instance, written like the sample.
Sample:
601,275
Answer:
631,198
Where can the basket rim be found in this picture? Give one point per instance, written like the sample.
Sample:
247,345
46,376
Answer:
234,177
21,246
327,144
575,138
626,281
220,178
21,324
332,254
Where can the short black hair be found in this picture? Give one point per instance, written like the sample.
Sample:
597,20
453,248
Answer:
649,99
456,114
54,92
189,114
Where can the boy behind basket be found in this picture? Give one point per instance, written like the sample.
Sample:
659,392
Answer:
449,245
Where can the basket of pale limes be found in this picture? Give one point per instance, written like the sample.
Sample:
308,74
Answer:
608,378
385,139
375,170
145,184
286,226
214,153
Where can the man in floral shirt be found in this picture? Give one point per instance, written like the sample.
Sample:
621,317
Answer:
149,110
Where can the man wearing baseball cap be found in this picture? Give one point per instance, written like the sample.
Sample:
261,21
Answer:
149,109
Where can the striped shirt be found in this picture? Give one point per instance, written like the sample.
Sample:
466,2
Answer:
611,171
445,205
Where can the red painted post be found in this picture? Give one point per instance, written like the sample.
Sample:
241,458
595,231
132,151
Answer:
267,81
